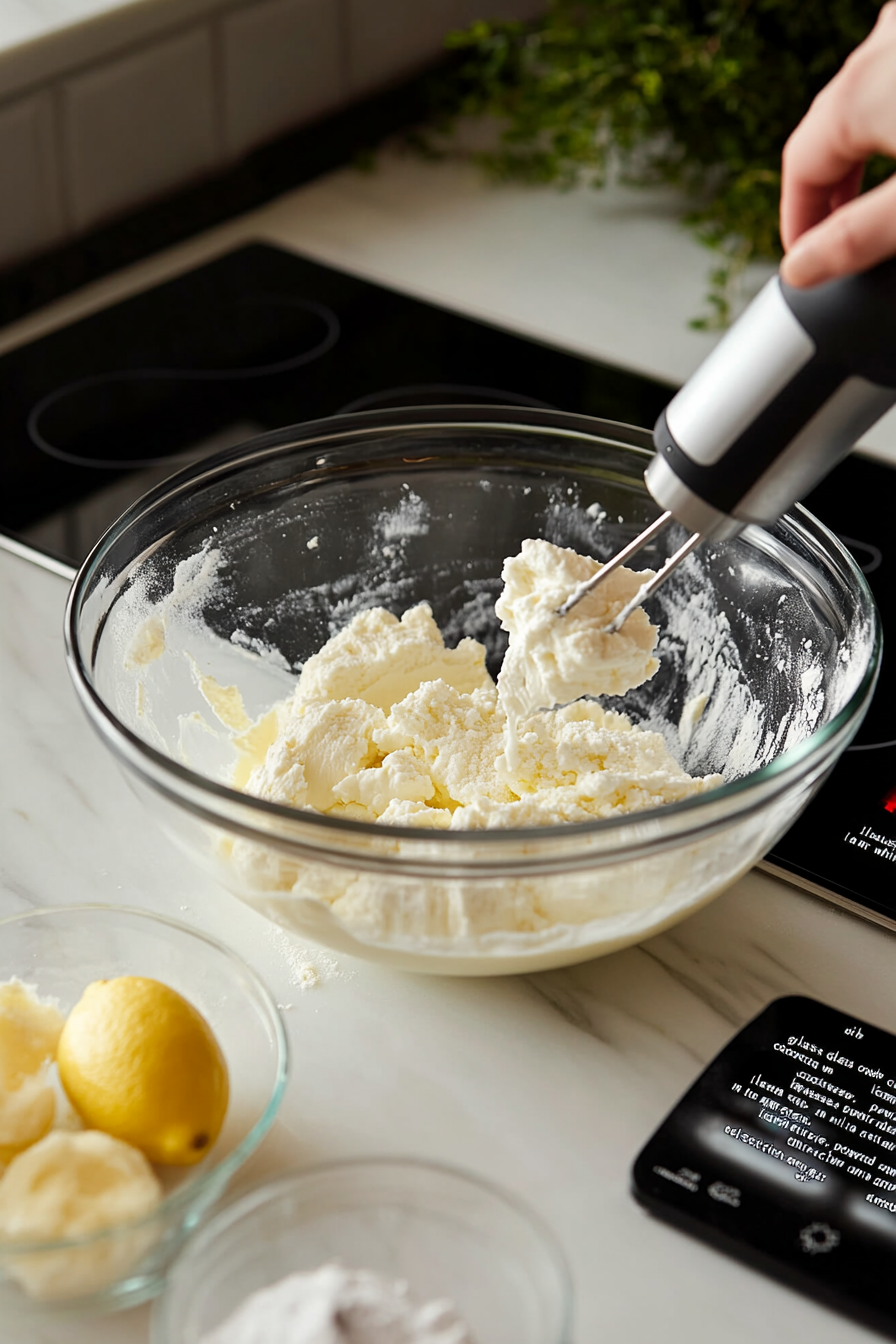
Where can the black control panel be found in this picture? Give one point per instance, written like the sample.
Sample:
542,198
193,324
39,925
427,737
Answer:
783,1153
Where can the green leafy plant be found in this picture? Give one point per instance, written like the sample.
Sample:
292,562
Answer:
698,93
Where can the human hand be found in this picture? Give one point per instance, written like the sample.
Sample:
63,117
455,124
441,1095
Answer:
827,228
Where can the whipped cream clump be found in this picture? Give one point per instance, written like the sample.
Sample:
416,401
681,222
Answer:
382,661
331,1304
388,725
552,660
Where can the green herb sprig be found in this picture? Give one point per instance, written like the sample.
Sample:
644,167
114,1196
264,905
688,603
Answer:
701,94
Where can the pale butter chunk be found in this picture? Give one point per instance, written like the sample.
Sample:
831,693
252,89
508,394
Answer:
26,1113
30,1028
319,744
405,812
457,736
400,778
578,739
72,1185
604,793
379,658
580,763
29,1033
552,660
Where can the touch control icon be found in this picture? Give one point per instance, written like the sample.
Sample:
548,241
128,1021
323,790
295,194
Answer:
819,1238
725,1194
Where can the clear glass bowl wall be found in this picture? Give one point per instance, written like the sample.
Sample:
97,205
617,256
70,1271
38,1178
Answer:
446,1233
243,566
61,951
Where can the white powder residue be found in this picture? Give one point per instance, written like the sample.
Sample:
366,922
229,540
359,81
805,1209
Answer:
409,519
195,579
698,649
312,543
308,967
335,1305
269,652
813,694
743,746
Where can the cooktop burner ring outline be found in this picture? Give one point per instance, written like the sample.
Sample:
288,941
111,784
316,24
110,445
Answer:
875,554
332,333
371,400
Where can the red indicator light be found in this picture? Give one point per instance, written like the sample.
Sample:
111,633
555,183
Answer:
890,801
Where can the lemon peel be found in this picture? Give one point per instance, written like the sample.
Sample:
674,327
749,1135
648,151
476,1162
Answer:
139,1062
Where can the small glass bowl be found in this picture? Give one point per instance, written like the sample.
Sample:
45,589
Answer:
447,1233
61,951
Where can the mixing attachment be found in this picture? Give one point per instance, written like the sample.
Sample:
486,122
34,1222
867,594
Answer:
782,398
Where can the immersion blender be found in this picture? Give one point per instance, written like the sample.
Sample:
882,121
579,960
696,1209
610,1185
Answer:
798,378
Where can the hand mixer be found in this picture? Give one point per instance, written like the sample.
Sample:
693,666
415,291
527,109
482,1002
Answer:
800,376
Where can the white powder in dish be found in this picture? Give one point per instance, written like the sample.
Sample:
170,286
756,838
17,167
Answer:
335,1305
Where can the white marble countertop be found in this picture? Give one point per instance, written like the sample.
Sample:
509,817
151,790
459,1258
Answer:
550,1083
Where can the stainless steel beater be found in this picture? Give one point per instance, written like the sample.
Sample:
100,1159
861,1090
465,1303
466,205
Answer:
801,375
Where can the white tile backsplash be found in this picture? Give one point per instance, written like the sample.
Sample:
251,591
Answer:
110,103
468,11
31,219
282,64
138,127
387,39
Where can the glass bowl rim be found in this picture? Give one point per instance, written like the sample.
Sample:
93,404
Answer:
155,766
184,1196
268,1190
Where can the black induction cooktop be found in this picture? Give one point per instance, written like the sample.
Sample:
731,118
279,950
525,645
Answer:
844,844
94,414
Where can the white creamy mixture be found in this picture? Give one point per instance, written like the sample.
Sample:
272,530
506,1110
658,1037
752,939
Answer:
388,725
553,660
335,1305
170,673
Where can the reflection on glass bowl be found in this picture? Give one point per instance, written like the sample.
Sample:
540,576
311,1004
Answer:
242,567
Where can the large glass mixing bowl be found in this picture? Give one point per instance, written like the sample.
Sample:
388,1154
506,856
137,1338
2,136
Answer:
234,571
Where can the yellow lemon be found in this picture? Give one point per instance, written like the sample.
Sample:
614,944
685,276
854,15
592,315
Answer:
140,1063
